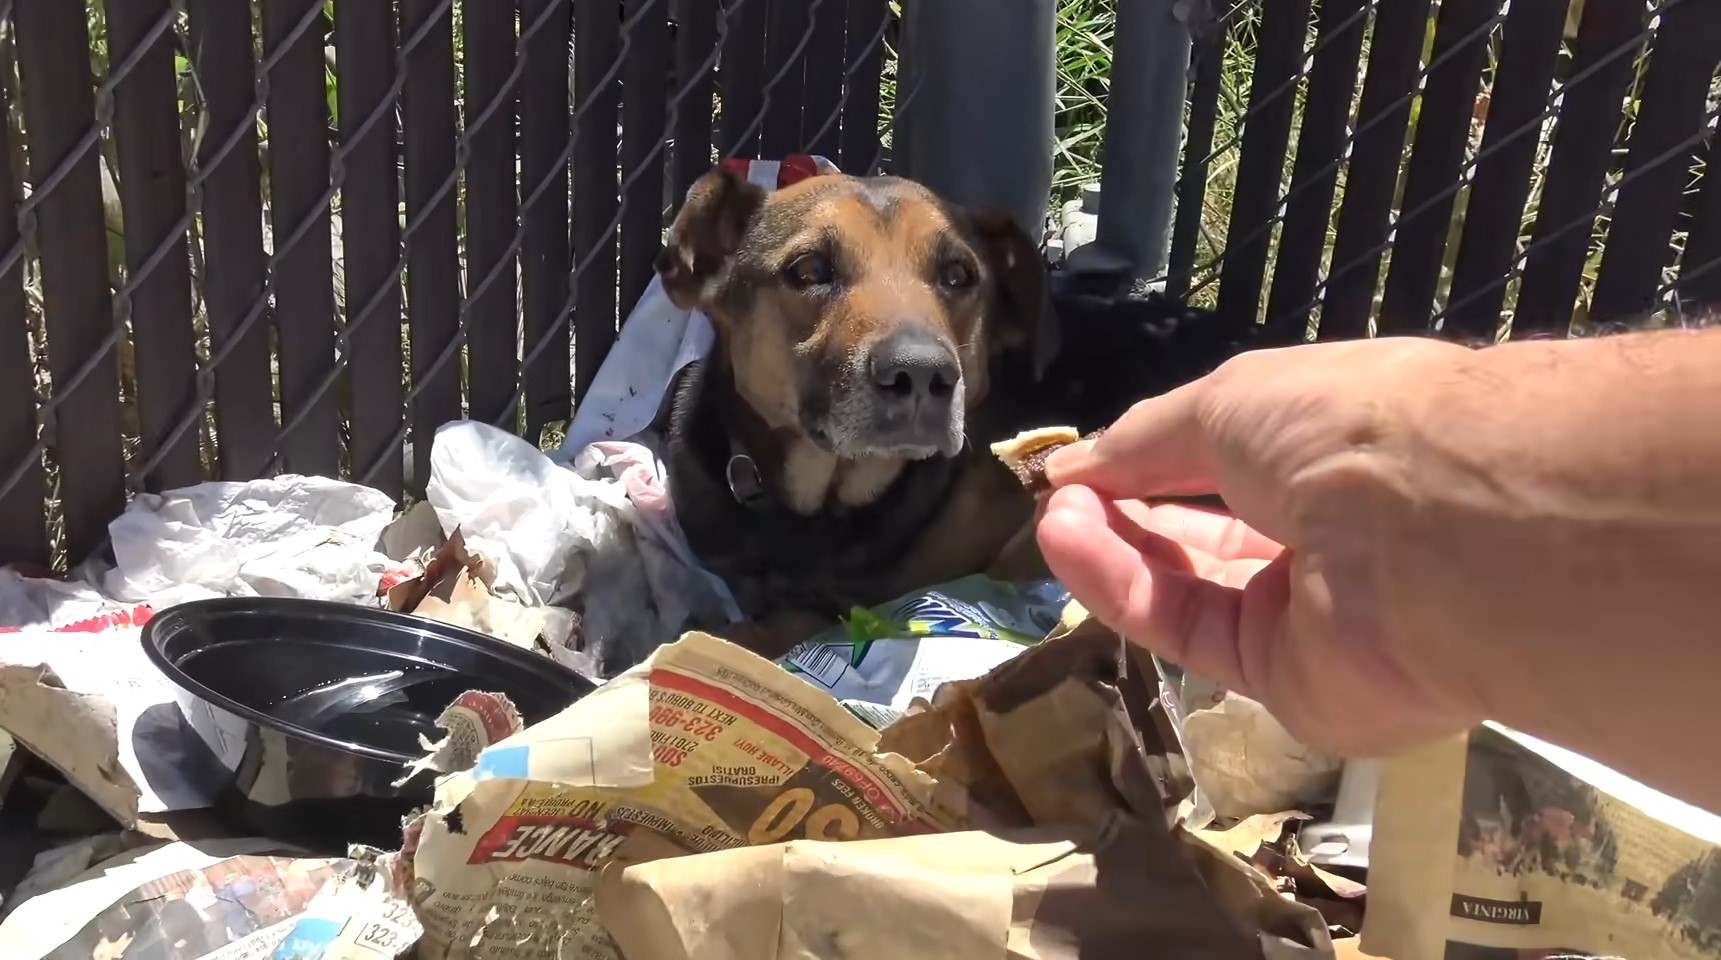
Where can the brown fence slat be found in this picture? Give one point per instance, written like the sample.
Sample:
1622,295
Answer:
298,115
492,204
152,194
821,123
597,39
1578,161
1261,166
1529,51
695,39
232,217
1671,106
863,59
1314,174
23,523
741,77
1442,132
370,239
645,100
544,263
432,257
1208,61
785,76
1700,266
1383,116
59,112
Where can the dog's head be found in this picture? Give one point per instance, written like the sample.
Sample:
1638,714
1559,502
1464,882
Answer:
863,314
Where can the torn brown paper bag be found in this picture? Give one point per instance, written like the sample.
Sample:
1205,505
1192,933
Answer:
1253,899
1117,891
457,587
77,733
1045,738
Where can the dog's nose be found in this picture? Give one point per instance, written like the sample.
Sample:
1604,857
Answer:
914,365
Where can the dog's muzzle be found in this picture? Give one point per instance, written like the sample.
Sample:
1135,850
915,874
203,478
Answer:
904,401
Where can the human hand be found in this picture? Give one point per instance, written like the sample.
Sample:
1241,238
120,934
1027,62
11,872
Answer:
1294,601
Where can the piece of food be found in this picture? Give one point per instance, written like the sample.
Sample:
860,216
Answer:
1025,453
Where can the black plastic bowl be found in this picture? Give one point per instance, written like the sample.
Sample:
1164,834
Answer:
309,710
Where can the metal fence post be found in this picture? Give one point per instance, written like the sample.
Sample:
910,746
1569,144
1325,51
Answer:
1144,127
975,102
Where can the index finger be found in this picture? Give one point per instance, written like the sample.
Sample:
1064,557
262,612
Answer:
1158,448
1209,531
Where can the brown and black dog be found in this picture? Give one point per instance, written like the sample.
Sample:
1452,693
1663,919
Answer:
832,449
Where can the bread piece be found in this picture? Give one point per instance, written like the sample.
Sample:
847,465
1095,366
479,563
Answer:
1025,453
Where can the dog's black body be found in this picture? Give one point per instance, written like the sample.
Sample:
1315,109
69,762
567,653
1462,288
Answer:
772,557
1118,347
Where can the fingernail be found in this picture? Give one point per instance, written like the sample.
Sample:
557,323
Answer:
1066,459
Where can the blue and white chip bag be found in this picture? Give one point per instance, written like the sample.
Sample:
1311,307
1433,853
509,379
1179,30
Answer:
906,648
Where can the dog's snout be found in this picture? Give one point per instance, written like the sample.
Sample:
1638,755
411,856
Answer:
915,366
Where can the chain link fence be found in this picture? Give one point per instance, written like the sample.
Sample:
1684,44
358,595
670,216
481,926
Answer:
298,235
1474,168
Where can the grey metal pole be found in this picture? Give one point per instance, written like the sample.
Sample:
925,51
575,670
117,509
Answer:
975,96
1144,135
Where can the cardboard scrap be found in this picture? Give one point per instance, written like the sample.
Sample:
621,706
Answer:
457,587
77,733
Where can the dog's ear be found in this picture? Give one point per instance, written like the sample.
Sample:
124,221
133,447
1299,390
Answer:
705,234
1026,321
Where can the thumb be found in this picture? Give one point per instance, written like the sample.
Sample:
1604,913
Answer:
1158,448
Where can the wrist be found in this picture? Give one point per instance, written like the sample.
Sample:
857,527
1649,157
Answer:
1560,499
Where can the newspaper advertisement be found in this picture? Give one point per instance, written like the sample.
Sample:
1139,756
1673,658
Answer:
359,914
1499,845
702,747
220,900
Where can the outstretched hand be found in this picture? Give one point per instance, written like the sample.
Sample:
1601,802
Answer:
1287,602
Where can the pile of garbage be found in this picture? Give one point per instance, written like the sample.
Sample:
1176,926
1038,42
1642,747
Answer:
976,770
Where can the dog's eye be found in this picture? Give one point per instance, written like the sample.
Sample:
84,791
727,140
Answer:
810,270
955,275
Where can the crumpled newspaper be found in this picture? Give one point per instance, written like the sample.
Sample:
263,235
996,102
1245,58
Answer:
1016,816
212,900
1064,852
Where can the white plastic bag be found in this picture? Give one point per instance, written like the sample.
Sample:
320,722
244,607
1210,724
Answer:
560,539
539,522
287,536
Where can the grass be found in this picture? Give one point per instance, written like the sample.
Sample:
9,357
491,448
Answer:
1084,36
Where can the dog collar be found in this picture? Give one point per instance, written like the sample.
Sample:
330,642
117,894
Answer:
746,485
776,174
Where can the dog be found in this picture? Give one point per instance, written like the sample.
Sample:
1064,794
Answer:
1120,343
831,451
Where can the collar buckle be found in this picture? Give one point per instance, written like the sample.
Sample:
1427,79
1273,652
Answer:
745,483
